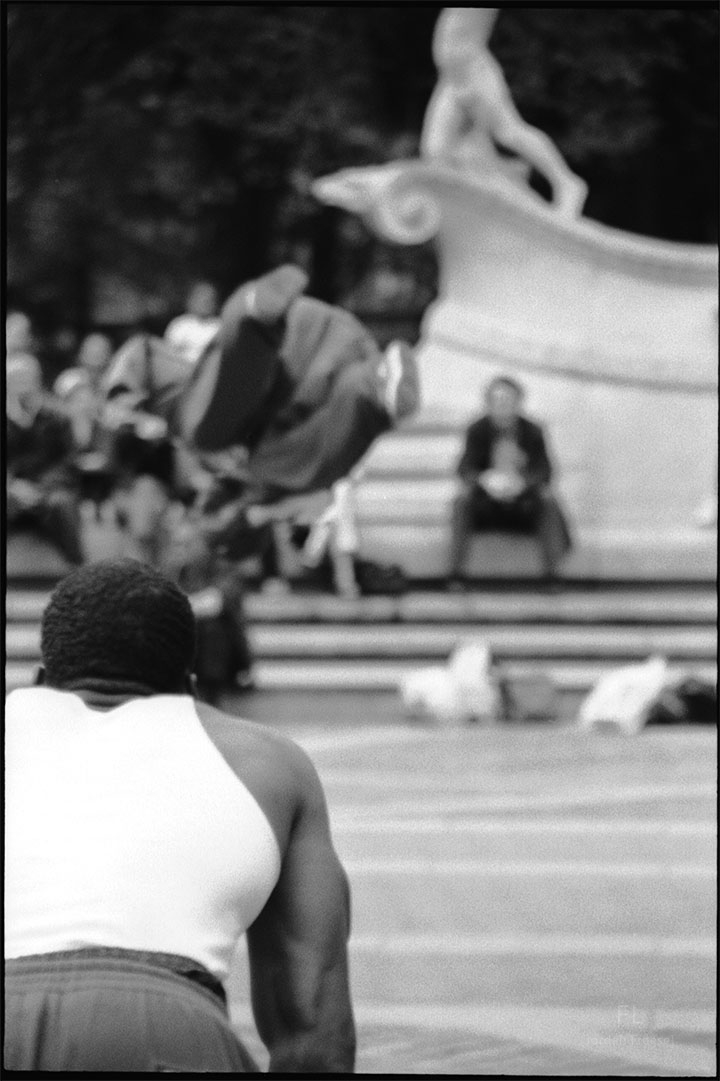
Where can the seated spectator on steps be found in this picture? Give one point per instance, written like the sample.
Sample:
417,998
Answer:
192,331
41,492
149,464
92,458
505,473
94,356
19,336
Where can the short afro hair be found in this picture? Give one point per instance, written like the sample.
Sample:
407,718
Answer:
118,620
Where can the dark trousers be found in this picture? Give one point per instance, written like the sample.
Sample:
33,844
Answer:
116,1011
535,511
303,396
323,448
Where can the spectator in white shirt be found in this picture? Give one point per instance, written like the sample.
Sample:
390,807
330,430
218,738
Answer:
191,332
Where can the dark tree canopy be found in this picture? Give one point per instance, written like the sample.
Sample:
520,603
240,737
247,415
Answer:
164,141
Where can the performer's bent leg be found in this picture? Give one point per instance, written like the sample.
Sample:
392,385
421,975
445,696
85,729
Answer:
283,379
241,373
325,447
320,342
278,359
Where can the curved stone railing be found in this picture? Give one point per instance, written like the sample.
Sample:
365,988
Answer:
613,334
516,279
394,199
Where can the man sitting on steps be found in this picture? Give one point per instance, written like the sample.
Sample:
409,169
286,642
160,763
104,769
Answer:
505,472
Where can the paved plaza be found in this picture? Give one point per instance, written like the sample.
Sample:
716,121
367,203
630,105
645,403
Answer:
526,900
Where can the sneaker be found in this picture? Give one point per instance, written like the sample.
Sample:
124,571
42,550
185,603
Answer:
401,393
268,298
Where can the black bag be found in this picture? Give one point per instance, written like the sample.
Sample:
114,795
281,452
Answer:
691,701
379,578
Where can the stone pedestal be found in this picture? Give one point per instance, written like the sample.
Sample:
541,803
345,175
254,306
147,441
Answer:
613,335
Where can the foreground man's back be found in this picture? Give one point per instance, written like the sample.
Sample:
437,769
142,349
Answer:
145,832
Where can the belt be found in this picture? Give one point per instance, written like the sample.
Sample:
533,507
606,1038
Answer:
180,966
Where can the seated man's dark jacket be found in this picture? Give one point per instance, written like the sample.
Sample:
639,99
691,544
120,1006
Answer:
477,455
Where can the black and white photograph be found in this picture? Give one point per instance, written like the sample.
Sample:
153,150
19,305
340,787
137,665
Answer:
361,496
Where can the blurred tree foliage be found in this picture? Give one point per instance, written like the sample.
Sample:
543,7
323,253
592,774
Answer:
165,141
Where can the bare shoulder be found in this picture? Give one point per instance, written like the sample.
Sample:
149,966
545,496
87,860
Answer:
249,738
275,769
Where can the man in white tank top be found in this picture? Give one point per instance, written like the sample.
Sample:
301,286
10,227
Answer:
145,833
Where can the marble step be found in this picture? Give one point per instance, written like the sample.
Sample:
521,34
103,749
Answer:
421,549
433,642
415,534
659,605
569,678
414,452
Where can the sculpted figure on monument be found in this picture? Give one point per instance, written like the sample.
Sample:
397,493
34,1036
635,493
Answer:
471,112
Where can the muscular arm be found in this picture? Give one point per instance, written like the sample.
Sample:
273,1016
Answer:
298,950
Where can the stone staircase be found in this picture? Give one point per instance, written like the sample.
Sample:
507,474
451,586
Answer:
318,642
630,592
403,503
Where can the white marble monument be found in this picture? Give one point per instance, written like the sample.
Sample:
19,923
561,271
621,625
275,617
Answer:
614,335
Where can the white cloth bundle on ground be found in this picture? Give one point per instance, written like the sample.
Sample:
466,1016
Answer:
465,689
623,696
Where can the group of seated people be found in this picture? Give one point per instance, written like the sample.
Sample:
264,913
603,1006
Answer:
70,449
190,441
111,438
75,458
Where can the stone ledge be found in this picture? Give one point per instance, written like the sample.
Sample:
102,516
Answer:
571,677
422,550
659,605
436,641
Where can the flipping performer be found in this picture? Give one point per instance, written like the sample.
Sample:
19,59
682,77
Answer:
300,384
